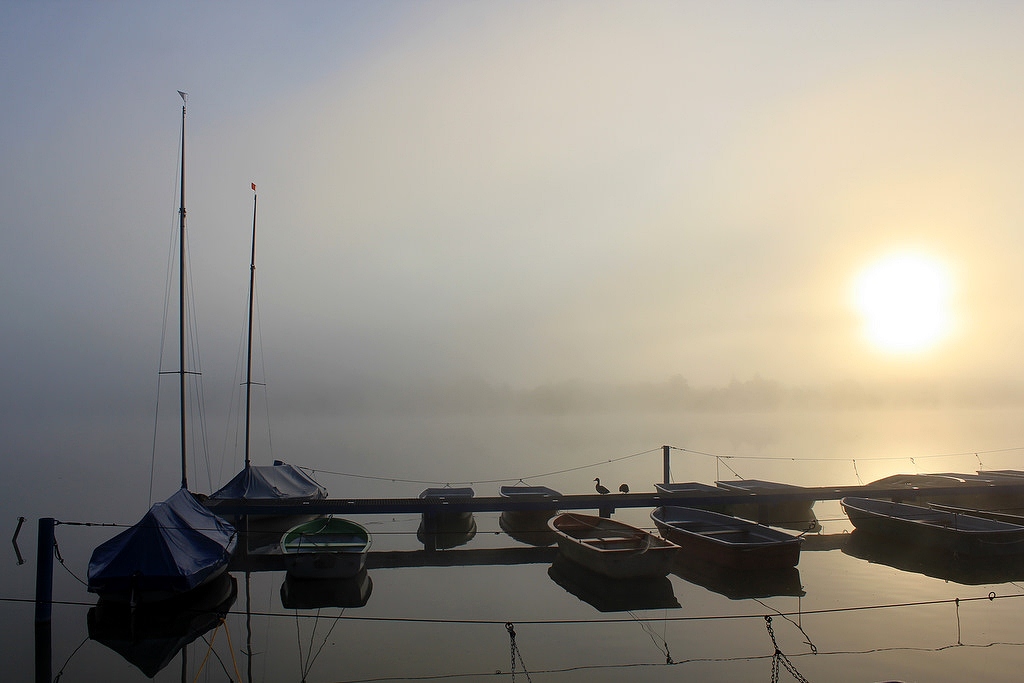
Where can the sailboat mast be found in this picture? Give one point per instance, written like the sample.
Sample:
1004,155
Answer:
181,299
248,369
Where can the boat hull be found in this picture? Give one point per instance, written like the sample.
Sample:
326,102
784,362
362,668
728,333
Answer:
794,514
328,548
611,548
727,541
937,529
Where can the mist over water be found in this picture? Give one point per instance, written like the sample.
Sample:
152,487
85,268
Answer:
100,473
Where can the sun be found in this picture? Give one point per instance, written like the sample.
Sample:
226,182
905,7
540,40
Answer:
904,301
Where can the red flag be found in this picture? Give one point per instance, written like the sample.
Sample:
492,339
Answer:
254,187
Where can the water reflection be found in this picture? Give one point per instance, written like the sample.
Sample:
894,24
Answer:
612,595
946,565
441,532
530,528
740,585
319,593
150,636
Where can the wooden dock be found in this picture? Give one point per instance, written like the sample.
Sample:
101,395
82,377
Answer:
603,503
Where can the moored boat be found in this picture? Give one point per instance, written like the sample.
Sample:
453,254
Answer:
998,515
175,548
706,492
529,524
939,529
443,527
178,546
612,548
280,483
325,548
948,488
792,514
725,540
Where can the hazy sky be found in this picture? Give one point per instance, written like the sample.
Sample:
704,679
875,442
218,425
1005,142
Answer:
517,191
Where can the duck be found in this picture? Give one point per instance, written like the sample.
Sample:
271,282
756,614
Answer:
623,488
601,489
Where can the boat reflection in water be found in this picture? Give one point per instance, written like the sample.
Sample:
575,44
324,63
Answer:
531,533
937,563
442,535
442,529
529,526
738,584
317,593
150,636
612,595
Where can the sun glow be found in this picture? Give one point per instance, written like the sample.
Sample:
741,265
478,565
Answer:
904,302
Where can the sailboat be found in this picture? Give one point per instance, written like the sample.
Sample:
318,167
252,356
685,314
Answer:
179,545
277,483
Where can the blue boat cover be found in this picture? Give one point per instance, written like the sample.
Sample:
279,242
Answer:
177,546
279,481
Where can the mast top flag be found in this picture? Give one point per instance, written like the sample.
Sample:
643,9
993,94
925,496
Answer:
184,96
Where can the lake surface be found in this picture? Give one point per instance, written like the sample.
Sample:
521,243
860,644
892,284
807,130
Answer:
850,613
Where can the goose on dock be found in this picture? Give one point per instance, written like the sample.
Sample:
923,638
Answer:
623,488
600,489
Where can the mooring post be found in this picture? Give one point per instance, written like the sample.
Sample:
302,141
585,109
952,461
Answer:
666,470
44,570
44,599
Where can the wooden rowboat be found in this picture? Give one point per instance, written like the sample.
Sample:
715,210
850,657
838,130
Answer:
325,548
727,541
612,548
938,529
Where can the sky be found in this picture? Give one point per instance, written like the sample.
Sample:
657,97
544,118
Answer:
519,193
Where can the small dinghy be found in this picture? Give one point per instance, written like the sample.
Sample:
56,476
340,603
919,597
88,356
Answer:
325,548
937,529
612,548
727,541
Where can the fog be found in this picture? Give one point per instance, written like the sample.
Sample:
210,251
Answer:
659,203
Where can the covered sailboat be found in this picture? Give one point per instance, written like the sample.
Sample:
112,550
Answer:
178,545
279,482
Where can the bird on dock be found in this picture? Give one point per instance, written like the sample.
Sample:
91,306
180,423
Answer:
623,488
600,489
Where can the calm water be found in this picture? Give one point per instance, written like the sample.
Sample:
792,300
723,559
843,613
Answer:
448,622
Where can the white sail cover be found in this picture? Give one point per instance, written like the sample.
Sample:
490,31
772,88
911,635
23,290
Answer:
279,481
179,545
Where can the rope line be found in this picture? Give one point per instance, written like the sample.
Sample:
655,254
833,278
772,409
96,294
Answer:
877,458
991,596
312,470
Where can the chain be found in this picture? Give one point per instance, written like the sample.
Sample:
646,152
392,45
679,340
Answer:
780,658
514,652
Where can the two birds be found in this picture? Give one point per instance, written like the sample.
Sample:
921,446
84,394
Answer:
623,488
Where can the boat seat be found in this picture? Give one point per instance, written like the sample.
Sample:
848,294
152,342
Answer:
723,532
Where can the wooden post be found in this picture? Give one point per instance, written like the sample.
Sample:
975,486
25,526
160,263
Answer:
44,598
666,470
44,569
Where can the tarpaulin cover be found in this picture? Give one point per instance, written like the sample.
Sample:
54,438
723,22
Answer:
279,481
176,547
